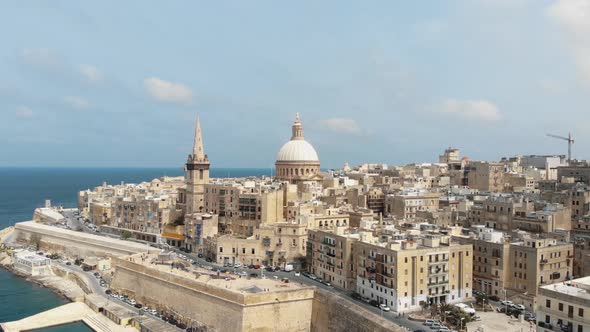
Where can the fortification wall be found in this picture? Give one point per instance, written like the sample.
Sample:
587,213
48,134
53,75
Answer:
74,243
222,309
333,313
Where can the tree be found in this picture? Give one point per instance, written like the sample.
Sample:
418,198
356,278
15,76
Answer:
125,235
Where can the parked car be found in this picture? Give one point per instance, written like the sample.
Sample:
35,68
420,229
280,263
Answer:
494,298
138,305
519,306
251,266
374,303
428,322
506,303
297,274
384,307
327,283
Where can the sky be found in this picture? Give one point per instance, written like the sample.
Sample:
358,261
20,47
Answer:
120,83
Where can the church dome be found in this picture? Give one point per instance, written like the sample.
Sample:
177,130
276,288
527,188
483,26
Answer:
297,150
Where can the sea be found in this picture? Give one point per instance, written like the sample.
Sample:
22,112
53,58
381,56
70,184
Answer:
24,189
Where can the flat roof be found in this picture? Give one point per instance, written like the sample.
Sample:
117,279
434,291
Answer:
231,282
578,288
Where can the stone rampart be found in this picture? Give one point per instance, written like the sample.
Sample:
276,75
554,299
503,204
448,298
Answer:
333,313
75,243
223,309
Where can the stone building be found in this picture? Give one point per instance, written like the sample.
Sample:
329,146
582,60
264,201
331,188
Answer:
330,256
517,266
273,245
564,306
485,176
408,274
407,204
297,160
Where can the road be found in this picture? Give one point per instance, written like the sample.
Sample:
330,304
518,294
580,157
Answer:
94,284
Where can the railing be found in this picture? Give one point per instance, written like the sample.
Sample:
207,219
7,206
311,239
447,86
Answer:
544,261
440,261
438,283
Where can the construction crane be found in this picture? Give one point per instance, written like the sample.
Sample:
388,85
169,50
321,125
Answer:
569,140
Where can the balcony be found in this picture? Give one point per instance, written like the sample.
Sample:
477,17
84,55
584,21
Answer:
331,254
543,261
440,261
444,282
329,244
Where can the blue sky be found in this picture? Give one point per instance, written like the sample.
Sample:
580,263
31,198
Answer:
116,83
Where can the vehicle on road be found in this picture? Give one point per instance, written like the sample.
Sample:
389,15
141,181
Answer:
506,303
243,273
384,307
327,283
288,267
429,322
519,306
297,274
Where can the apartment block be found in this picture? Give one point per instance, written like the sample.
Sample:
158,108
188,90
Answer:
405,274
564,306
406,205
330,256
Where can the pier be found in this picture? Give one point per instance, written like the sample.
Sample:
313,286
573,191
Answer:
65,314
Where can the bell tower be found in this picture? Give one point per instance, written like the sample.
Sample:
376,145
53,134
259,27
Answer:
197,174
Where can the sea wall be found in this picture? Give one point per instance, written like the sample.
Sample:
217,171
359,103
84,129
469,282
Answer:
333,313
73,243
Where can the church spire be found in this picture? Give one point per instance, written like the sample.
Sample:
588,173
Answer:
198,153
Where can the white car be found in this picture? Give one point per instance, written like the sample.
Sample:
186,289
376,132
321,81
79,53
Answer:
518,306
428,322
153,312
297,274
384,307
506,303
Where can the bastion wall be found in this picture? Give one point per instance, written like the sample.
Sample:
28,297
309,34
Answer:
223,309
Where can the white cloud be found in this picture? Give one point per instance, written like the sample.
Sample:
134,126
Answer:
341,125
574,18
479,110
41,57
76,102
91,74
24,112
166,91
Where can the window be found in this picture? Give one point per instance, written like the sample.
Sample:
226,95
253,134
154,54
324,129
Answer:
560,306
581,312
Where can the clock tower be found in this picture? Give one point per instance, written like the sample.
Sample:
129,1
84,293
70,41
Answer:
197,175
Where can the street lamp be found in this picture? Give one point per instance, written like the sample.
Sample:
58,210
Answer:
461,320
